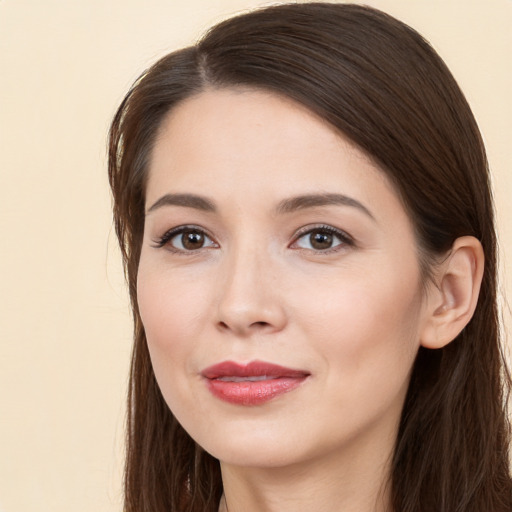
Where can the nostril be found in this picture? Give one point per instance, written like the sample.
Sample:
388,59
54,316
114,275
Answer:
224,326
259,324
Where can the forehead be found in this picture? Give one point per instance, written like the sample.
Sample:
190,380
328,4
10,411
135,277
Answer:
241,143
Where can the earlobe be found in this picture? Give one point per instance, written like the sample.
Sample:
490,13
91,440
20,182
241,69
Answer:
452,302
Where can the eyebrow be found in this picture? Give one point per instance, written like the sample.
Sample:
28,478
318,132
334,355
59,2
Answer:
289,205
186,200
314,200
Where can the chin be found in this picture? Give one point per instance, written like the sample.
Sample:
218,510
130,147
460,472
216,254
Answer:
256,447
252,455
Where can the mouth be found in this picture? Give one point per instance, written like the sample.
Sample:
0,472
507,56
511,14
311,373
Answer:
254,383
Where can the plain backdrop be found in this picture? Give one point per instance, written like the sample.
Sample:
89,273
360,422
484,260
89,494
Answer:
65,328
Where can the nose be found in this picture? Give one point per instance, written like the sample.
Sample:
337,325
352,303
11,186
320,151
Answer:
250,300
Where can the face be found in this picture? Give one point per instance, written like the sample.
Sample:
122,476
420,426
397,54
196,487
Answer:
279,283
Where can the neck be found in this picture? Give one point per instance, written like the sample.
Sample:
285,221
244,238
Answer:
353,481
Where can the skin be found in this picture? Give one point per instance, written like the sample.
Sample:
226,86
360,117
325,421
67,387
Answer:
352,316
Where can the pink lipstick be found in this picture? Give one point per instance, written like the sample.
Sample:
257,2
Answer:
251,384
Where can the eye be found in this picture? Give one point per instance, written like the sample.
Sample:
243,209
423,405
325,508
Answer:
185,239
322,239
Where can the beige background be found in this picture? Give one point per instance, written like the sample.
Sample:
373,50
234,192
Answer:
64,320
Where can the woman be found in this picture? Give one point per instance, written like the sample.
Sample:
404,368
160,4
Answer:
302,201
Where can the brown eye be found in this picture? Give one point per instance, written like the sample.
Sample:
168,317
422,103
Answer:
191,240
320,239
185,239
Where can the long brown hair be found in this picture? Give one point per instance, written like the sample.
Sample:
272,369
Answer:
380,84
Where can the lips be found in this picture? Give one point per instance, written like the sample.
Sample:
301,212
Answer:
251,384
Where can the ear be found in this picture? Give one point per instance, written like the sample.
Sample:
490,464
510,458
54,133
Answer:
452,300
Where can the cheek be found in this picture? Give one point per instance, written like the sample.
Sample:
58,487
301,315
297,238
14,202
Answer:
362,307
172,313
368,329
172,319
368,345
171,303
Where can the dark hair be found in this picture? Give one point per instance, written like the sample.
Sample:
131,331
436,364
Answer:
381,85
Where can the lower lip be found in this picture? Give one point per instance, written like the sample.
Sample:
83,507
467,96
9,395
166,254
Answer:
253,393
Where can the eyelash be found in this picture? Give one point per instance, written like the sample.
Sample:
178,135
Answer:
344,238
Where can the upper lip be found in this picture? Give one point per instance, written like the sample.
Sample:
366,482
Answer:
252,369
